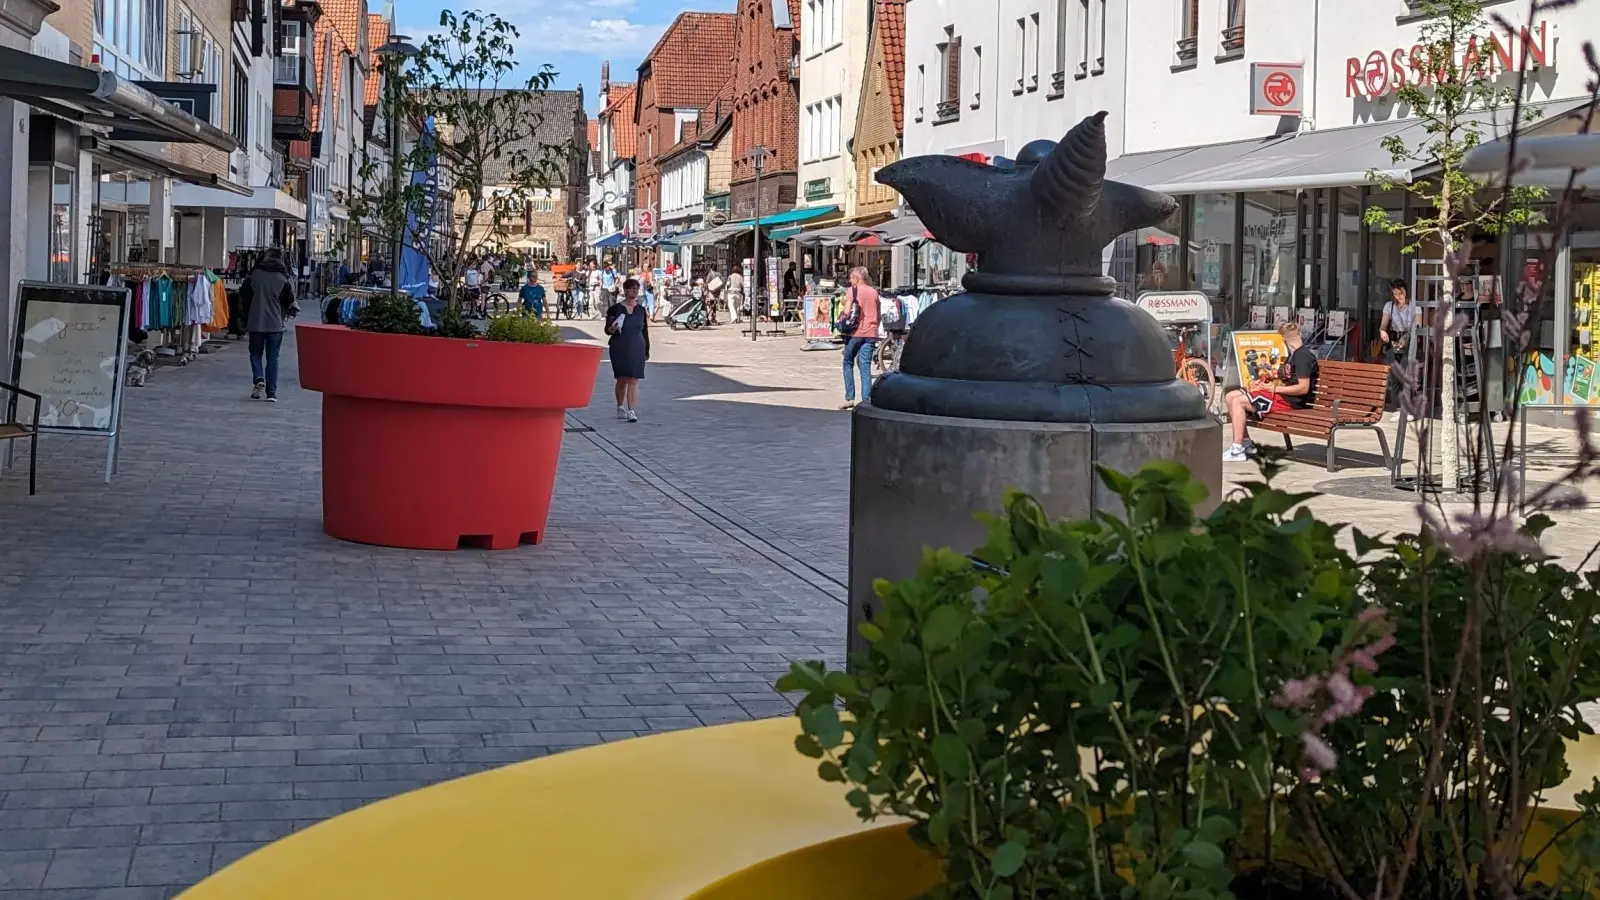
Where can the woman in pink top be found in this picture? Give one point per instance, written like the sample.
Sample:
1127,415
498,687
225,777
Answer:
864,340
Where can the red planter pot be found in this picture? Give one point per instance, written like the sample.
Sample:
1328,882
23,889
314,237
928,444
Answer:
431,442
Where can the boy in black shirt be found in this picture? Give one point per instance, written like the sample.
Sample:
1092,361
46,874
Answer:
1293,387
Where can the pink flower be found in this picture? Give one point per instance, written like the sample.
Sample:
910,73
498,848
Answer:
1318,753
1342,689
1297,692
1362,659
1381,645
1371,614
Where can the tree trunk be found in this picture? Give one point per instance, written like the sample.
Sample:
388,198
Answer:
1449,435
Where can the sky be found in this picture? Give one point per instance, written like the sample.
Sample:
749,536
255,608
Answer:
573,36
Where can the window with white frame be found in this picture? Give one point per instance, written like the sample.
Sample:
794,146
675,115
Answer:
131,37
543,201
1188,30
1063,9
1233,29
1033,52
922,92
1083,14
977,77
823,26
1098,64
949,75
1021,54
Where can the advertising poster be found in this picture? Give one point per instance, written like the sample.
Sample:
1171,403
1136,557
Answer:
1580,380
1307,320
1259,355
1258,316
1280,315
819,317
1538,380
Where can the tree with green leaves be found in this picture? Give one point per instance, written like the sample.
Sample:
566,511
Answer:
474,126
1458,99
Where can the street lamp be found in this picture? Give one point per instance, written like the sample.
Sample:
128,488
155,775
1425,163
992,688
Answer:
394,55
758,155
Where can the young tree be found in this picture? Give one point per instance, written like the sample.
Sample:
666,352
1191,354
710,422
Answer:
475,162
1457,95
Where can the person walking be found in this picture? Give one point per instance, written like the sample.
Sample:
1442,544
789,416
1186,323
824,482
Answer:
532,296
862,339
629,327
268,298
593,297
736,295
610,283
1394,331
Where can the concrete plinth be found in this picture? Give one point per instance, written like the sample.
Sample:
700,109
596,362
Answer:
916,481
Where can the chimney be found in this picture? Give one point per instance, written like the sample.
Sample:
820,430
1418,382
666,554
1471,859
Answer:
605,83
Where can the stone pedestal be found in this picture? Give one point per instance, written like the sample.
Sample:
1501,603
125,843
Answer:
917,480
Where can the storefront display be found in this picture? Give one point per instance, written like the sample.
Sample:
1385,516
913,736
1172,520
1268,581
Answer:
1580,386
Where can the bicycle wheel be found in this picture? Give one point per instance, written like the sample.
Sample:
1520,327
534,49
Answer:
1198,373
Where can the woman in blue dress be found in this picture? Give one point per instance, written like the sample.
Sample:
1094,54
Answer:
629,327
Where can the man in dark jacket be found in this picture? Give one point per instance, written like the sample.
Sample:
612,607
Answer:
268,298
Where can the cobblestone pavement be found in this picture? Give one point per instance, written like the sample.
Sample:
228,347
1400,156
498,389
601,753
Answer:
189,668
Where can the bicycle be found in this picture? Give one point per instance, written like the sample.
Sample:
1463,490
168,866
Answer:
886,357
1195,370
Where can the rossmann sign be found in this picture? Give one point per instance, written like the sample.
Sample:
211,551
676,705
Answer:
1384,72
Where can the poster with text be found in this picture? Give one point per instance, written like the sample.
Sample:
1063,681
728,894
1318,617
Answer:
819,317
1580,380
1258,355
69,350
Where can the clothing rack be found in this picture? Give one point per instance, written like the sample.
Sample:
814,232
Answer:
177,303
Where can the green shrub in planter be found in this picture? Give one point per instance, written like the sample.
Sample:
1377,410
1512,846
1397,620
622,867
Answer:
523,328
1084,709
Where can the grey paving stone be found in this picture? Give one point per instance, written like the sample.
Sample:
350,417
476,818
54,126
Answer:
162,713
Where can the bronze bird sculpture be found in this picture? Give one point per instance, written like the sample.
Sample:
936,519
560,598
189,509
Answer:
1038,336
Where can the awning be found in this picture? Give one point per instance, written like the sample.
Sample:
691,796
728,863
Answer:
839,236
676,240
240,202
608,242
97,97
715,235
1336,157
796,216
904,230
126,158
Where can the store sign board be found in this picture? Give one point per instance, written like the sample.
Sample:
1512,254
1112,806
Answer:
69,350
819,188
644,223
1384,72
1176,307
1277,89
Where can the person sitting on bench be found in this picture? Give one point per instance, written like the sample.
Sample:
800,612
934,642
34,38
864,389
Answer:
1292,386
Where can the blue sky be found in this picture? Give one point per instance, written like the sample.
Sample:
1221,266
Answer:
574,36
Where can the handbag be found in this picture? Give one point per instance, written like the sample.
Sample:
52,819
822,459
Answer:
851,320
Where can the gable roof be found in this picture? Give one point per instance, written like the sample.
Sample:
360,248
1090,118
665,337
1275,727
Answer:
692,60
340,26
558,127
891,28
377,36
594,133
620,113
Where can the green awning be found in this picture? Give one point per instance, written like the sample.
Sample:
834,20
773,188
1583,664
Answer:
783,234
796,216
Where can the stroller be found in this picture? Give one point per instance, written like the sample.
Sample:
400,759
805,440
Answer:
690,312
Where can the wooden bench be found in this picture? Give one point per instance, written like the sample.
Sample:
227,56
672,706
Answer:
13,430
1349,395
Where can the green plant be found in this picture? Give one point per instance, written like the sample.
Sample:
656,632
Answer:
402,315
523,328
1440,784
1083,710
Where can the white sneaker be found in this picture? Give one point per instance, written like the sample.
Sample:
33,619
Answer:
1235,454
622,413
633,416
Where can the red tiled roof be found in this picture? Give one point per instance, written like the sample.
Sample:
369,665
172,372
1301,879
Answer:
377,36
594,133
892,33
340,23
620,112
693,59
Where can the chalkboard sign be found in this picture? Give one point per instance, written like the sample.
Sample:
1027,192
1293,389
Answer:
71,342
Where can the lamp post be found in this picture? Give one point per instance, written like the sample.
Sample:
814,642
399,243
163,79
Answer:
758,155
394,54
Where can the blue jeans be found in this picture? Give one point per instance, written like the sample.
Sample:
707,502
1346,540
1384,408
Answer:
858,351
267,343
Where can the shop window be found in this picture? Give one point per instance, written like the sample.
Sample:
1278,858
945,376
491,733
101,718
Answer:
1210,252
63,187
1268,260
1188,32
1582,381
1157,263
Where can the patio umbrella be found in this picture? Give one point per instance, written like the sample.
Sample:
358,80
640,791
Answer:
903,230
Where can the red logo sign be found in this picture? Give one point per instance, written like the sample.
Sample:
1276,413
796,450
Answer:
1376,74
646,223
1278,89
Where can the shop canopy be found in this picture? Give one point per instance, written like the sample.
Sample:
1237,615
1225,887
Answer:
797,216
121,158
97,97
904,230
840,236
609,242
1335,157
239,202
714,235
784,234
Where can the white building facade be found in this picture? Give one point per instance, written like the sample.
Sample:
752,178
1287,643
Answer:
833,60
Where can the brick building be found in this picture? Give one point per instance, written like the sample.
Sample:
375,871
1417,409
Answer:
766,109
881,111
678,81
549,226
